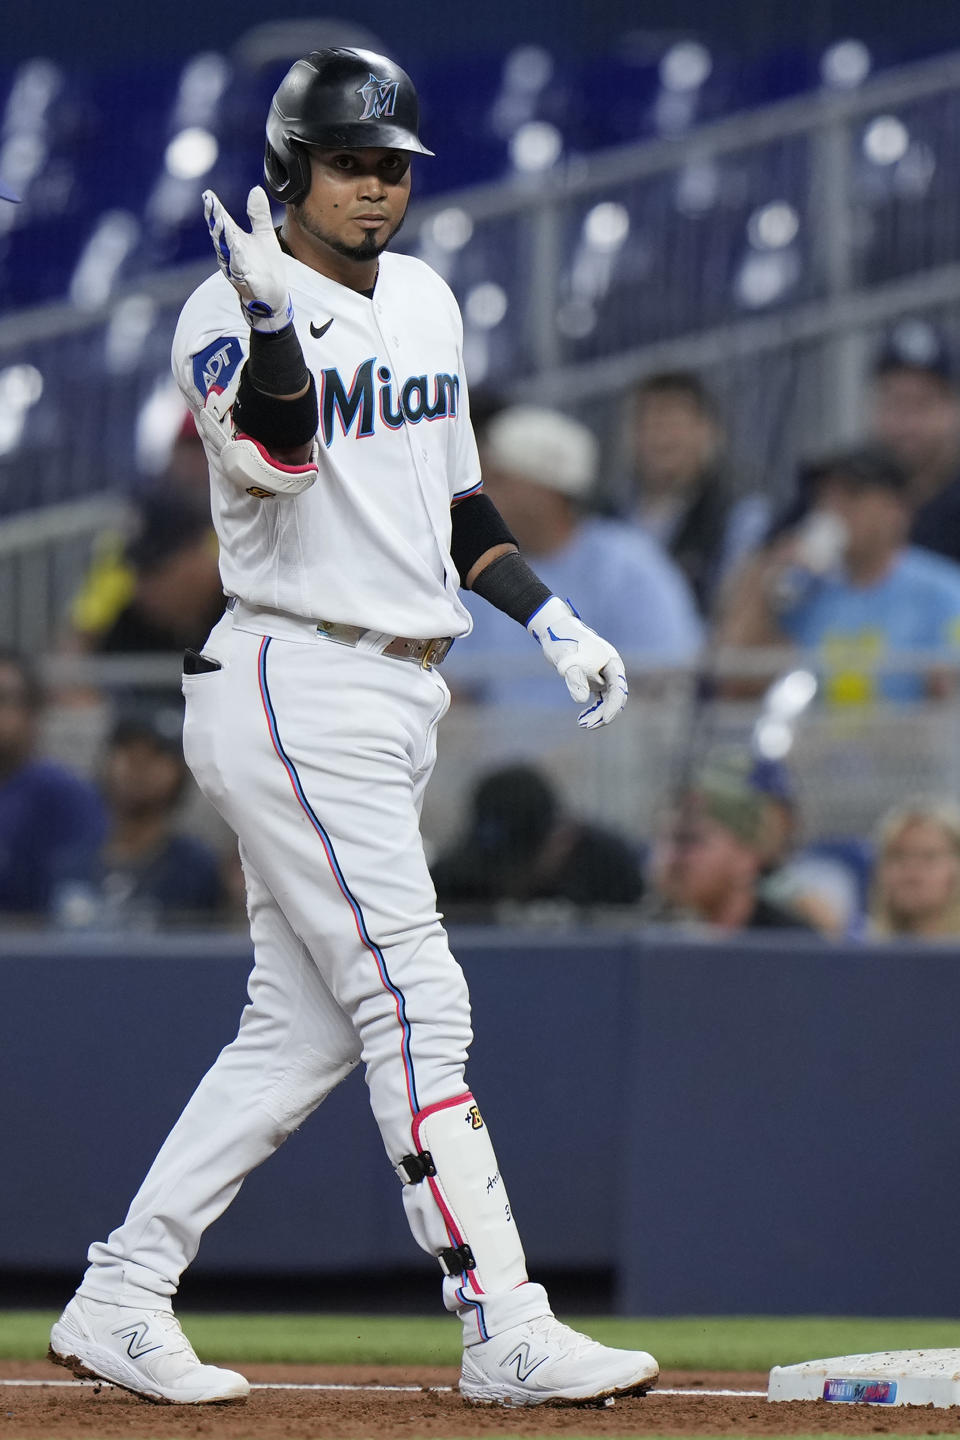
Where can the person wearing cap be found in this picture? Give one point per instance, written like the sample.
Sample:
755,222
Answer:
540,468
520,847
152,873
707,859
844,581
348,513
916,415
822,883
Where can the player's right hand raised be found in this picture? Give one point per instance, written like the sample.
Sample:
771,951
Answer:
252,261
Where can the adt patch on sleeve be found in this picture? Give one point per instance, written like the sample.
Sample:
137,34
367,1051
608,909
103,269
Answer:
214,366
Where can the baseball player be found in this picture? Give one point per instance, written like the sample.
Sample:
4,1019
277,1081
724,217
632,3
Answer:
327,380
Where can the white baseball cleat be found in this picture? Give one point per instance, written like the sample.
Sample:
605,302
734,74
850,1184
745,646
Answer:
544,1360
141,1350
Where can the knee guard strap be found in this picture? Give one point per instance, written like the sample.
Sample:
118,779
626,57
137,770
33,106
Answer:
414,1168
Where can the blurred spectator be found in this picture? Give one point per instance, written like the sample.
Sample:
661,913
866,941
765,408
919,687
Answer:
916,414
110,582
187,474
539,468
52,823
844,581
812,882
168,593
684,497
152,875
486,401
916,889
707,860
521,847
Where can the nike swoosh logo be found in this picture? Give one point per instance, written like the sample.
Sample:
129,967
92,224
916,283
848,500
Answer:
318,331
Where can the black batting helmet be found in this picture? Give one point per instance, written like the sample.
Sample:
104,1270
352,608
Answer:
339,99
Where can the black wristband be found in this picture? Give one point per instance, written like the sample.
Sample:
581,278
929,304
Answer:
276,362
277,424
476,526
508,584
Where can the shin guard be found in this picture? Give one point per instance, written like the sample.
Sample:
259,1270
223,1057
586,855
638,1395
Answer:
458,1209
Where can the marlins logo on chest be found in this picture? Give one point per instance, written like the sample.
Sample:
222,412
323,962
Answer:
375,395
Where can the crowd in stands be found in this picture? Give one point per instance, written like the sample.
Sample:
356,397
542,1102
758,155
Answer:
860,570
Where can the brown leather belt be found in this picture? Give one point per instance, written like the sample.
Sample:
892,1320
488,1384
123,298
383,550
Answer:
422,652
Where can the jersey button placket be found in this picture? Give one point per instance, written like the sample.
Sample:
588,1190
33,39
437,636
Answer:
419,453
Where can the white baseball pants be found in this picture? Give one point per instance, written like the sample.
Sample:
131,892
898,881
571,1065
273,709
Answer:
317,755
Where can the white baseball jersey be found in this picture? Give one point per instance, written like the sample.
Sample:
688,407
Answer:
369,543
317,755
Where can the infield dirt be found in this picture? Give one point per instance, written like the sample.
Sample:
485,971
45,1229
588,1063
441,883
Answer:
68,1413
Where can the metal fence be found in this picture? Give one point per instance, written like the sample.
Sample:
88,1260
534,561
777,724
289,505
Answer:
847,764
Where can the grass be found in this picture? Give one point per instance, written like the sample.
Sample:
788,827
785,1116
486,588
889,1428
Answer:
683,1343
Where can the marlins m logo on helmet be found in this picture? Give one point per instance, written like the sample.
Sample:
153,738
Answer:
379,98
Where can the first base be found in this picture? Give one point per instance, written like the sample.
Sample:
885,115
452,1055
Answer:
891,1377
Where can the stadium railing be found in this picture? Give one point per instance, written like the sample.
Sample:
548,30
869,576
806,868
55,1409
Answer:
848,762
769,250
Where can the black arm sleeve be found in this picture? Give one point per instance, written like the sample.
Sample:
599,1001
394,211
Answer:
276,367
477,526
277,424
276,362
508,584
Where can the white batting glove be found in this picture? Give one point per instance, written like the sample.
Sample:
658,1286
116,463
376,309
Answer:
590,666
252,262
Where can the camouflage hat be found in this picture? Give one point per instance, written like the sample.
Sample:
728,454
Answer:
722,791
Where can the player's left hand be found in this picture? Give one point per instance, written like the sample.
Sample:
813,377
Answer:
590,666
252,262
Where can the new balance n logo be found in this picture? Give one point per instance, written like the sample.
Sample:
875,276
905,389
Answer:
519,1360
136,1337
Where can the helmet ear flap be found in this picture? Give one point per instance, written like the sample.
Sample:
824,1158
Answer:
287,176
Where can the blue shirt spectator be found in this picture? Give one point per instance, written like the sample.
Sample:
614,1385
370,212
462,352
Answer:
915,606
622,585
177,881
845,583
52,823
539,468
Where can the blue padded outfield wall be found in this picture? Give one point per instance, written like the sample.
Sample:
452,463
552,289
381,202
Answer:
767,1126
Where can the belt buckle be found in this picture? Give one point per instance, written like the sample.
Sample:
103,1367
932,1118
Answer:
340,634
427,657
